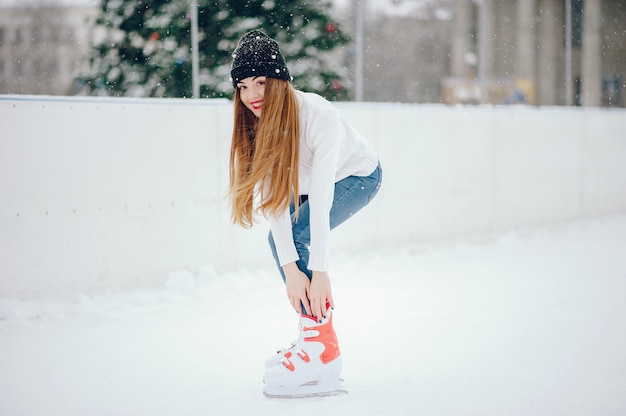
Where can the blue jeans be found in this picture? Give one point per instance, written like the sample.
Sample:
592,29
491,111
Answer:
351,194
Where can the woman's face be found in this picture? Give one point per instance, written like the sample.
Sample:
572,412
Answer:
251,93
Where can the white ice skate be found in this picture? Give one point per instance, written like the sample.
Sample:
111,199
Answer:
310,367
279,356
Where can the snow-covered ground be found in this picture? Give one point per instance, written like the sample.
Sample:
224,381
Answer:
528,323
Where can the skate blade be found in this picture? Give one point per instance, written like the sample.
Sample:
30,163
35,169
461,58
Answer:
305,394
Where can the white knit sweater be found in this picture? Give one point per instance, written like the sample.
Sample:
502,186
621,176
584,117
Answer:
330,150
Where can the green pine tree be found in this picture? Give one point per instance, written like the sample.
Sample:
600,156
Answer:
143,48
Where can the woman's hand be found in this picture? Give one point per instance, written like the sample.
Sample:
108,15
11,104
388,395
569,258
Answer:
297,285
319,293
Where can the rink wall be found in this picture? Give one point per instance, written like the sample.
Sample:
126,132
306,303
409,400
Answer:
114,194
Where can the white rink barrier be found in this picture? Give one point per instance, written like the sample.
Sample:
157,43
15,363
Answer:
102,195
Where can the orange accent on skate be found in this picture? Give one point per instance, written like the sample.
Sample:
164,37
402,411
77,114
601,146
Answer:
327,337
289,365
304,356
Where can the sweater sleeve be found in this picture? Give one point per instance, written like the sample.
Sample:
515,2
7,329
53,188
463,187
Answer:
325,135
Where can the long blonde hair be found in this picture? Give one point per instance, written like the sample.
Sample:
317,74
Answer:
264,154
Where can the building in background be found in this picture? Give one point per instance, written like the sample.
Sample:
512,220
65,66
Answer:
42,46
415,51
513,52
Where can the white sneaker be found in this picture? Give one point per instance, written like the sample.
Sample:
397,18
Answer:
310,367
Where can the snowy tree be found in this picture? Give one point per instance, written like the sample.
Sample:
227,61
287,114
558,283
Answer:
143,48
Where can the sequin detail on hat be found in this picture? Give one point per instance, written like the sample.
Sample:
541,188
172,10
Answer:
258,55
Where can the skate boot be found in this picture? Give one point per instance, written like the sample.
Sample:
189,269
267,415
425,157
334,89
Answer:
310,367
278,357
280,354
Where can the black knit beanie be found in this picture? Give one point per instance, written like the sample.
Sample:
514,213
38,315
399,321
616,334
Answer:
258,55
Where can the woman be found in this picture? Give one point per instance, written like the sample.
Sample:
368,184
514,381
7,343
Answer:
298,163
